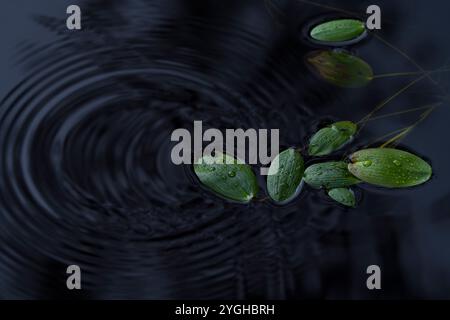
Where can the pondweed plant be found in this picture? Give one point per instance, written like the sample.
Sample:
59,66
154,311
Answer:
285,175
340,68
339,30
229,177
331,138
383,166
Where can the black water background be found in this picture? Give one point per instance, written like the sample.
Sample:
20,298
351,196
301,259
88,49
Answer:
85,174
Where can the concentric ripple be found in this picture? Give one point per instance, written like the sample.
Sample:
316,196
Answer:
86,172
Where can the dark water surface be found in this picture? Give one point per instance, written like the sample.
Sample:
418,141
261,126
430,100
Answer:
85,170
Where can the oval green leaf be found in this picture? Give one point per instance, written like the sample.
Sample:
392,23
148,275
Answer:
340,68
227,177
329,175
331,138
390,168
338,30
344,196
285,175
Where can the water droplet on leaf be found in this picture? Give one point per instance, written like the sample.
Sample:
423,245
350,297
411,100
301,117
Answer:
333,174
331,138
219,174
367,163
338,30
283,185
408,172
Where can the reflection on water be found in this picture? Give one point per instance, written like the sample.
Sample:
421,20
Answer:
86,176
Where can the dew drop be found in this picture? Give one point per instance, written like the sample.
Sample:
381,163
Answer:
396,162
367,163
231,174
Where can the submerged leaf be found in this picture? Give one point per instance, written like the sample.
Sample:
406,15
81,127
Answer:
329,175
285,175
390,168
227,176
340,68
331,138
338,30
344,196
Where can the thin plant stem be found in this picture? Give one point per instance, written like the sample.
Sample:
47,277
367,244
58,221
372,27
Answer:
348,12
403,54
385,102
396,139
324,6
412,73
404,112
386,135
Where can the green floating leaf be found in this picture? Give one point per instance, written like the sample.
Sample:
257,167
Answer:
344,196
329,175
285,175
340,68
227,177
331,138
338,30
390,168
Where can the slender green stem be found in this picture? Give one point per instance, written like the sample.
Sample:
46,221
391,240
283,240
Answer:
396,139
403,54
385,102
395,74
404,111
412,73
324,6
359,15
385,136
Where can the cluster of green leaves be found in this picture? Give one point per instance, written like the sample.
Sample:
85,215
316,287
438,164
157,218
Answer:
339,68
385,167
